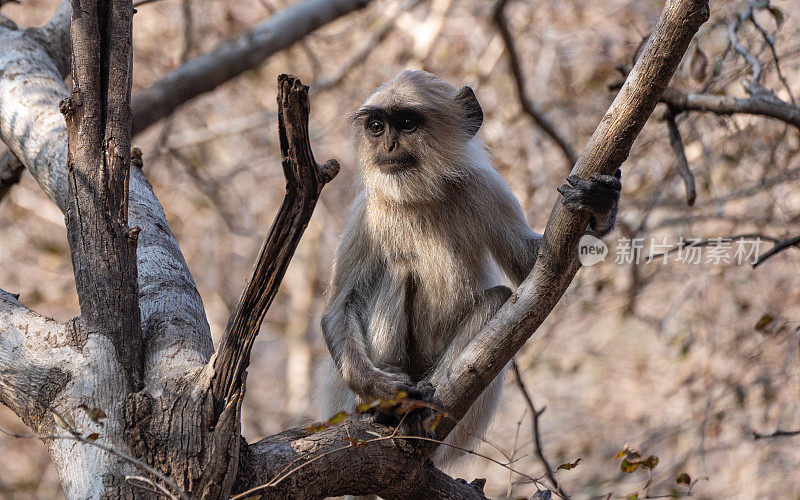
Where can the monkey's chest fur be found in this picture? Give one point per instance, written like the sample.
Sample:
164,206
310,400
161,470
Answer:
432,272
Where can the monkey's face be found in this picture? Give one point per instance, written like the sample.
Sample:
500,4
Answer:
391,137
413,137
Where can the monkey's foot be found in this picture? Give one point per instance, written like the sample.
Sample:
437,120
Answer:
416,413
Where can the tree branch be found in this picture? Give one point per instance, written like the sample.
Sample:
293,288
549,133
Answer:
676,143
98,118
29,373
537,439
346,459
779,247
304,182
768,105
519,78
460,383
177,336
208,71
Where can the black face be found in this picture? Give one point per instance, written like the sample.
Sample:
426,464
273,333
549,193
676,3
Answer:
392,135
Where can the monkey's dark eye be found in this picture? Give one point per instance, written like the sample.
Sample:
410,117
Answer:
375,127
408,125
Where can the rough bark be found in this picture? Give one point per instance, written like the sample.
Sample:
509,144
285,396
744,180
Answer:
301,464
98,118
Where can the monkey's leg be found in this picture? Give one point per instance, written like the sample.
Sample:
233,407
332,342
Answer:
472,427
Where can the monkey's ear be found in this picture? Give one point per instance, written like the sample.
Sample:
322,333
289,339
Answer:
473,114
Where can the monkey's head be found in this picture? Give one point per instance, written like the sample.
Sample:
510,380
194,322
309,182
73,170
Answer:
415,137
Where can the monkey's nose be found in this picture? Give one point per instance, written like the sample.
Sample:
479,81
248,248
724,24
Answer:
392,145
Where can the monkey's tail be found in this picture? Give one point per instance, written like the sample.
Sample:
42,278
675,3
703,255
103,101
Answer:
472,427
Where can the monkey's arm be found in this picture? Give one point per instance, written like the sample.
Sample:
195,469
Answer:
512,243
515,246
345,333
344,323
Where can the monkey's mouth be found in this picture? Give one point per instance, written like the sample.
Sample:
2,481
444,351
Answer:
395,163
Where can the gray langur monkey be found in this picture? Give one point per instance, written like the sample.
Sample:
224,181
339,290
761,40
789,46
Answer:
417,267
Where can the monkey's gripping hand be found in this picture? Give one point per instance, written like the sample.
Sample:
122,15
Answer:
415,412
598,196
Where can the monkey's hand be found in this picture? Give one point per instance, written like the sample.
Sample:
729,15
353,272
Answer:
415,413
371,382
598,196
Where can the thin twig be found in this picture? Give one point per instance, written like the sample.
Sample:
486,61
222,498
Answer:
537,440
519,78
769,40
778,433
680,156
74,436
733,28
779,247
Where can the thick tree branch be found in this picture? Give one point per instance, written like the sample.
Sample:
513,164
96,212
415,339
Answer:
177,336
519,78
30,375
304,182
460,383
208,71
98,118
346,459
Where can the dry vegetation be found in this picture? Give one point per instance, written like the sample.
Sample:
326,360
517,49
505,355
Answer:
682,361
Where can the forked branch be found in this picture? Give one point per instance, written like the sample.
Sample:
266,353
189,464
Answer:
304,182
461,382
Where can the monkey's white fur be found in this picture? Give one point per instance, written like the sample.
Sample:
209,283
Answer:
419,255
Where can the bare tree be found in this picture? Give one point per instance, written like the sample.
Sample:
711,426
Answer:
130,397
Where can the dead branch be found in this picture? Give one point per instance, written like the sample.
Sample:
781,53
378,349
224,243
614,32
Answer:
208,71
736,194
519,78
304,182
98,118
733,38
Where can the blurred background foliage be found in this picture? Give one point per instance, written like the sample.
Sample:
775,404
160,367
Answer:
680,361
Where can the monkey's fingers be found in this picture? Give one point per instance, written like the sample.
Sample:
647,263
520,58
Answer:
609,181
